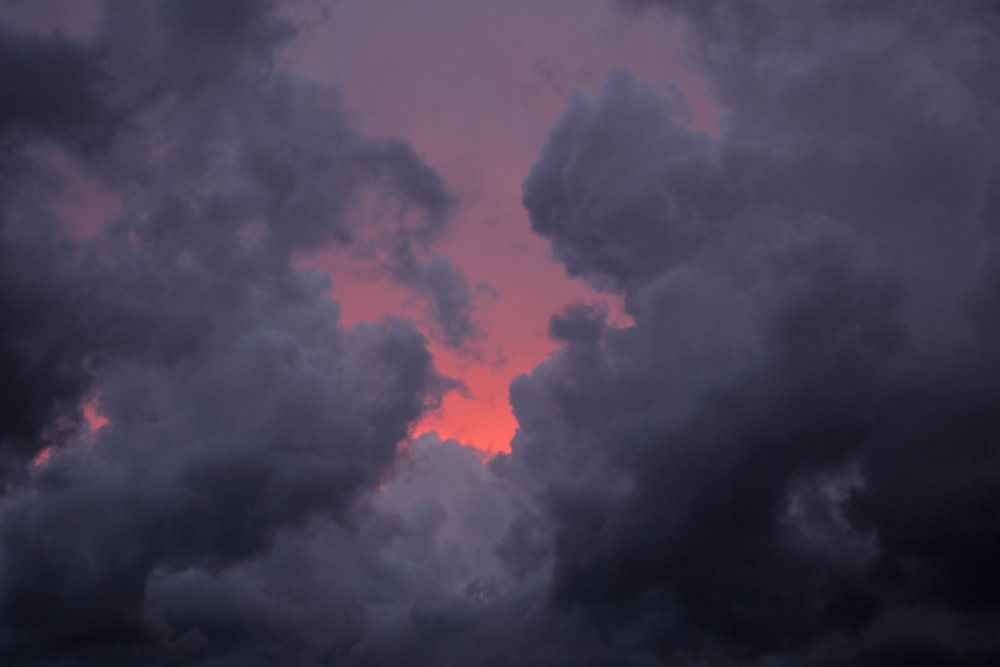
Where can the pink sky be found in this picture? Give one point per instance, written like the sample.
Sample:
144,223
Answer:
475,87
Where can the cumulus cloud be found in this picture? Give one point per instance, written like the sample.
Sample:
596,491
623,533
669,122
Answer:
790,450
247,427
788,457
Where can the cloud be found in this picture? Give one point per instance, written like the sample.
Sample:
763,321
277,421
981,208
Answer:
787,458
247,427
622,188
790,449
450,302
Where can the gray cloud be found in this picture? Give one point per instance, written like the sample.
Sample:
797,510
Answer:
787,459
789,451
622,188
248,427
450,301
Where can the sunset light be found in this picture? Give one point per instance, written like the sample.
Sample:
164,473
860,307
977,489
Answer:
499,333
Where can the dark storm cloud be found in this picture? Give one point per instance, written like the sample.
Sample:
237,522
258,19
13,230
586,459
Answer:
247,426
50,86
790,457
177,103
44,341
622,188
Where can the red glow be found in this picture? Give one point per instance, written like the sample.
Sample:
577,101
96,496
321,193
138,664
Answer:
95,420
475,87
42,456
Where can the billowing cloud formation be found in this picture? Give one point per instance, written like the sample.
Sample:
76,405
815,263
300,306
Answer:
787,458
790,457
247,428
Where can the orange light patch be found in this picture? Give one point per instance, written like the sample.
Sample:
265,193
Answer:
42,456
95,420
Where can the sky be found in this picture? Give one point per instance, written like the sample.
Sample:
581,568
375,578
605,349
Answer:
492,79
537,332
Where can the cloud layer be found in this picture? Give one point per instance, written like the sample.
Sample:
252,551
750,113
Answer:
247,428
788,457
